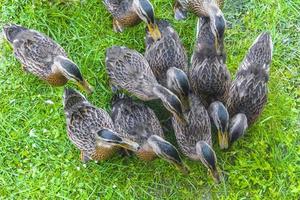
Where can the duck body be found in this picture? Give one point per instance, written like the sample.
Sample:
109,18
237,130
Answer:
209,75
166,52
129,70
36,52
123,12
128,13
42,57
248,92
198,7
135,119
89,128
139,123
194,138
198,128
204,8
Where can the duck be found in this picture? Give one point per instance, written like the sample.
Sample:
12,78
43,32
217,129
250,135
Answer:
210,77
203,8
43,57
91,129
128,13
166,52
130,71
248,93
194,137
138,122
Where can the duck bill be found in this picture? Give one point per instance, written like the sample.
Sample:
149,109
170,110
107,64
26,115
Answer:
154,31
215,175
223,139
182,168
130,145
84,85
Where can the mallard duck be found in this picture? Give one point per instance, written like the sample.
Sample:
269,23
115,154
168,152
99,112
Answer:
129,70
91,129
203,8
131,12
210,77
140,124
248,92
43,57
166,52
194,138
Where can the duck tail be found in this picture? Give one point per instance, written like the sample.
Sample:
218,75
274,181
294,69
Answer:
258,59
11,31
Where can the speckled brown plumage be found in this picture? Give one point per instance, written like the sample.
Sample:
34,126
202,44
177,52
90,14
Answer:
36,52
136,120
209,76
123,13
198,128
129,70
83,122
139,123
248,93
166,52
199,7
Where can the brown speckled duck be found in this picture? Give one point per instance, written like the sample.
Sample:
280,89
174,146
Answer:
91,129
248,92
129,70
208,75
203,8
128,13
166,52
43,57
194,138
210,78
139,123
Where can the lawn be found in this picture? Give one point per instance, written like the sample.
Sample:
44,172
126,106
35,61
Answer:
37,160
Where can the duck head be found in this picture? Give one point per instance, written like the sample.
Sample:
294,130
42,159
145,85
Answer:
171,102
71,71
110,138
157,146
237,127
178,82
208,158
145,11
220,119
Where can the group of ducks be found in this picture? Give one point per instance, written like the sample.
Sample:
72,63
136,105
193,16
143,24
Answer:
200,95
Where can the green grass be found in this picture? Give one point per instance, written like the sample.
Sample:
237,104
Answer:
38,161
